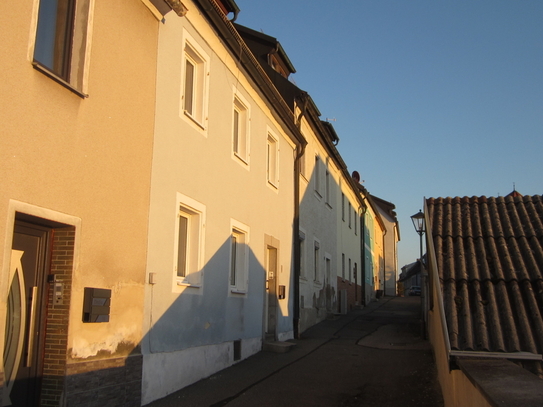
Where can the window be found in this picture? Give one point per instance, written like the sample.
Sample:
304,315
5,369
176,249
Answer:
355,272
343,266
302,254
61,41
239,257
350,271
304,131
195,77
350,214
316,263
272,161
327,187
240,129
343,206
188,242
317,175
302,164
355,222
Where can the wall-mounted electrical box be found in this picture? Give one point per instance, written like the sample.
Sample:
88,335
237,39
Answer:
96,304
281,292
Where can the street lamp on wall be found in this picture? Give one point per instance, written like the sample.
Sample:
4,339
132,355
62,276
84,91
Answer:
420,227
418,223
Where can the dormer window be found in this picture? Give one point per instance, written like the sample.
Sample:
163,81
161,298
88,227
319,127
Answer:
278,66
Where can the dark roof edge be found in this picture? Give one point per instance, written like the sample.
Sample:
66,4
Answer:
271,40
237,46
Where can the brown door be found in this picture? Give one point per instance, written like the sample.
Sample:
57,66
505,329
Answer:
271,323
25,319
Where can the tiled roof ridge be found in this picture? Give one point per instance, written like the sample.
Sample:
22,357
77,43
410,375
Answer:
532,214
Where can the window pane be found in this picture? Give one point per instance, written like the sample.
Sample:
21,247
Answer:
182,247
234,241
236,131
272,160
316,264
54,35
189,87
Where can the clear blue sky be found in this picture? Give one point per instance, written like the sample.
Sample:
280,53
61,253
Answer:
431,97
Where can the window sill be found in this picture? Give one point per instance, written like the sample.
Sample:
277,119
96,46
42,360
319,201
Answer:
241,159
187,284
238,291
192,119
44,70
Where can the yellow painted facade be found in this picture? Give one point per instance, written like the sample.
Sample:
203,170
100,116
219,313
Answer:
77,155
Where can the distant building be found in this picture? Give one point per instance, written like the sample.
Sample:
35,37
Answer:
391,239
410,276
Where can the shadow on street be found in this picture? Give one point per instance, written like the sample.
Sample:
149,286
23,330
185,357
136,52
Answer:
370,357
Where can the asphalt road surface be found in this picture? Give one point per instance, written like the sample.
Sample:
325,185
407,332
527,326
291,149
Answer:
373,357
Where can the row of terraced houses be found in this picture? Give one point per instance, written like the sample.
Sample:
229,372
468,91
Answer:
170,201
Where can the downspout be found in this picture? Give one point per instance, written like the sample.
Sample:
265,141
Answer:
296,229
235,16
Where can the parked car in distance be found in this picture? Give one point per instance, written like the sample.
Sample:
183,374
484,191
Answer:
414,290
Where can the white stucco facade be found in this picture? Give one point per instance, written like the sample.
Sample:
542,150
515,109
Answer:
201,322
319,188
349,261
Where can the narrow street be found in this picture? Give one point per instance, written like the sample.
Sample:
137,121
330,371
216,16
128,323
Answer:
368,358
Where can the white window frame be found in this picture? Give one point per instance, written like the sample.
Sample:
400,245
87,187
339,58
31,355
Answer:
343,207
327,187
350,215
317,176
272,160
343,266
194,55
75,76
241,120
238,275
195,213
356,220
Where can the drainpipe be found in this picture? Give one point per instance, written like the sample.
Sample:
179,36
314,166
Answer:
235,16
296,238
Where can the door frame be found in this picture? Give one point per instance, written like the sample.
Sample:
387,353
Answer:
270,243
21,211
